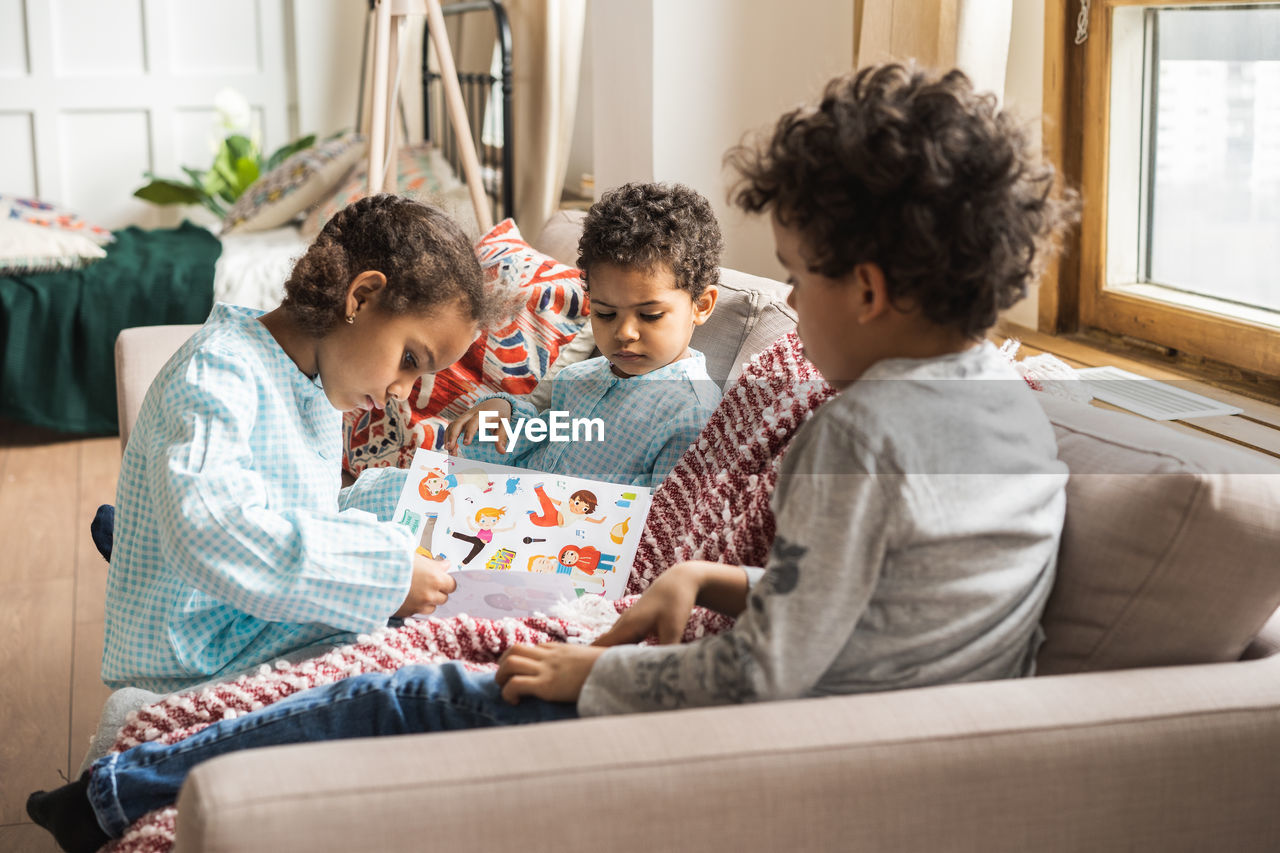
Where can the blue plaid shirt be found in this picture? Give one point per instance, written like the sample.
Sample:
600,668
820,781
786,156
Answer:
234,542
649,422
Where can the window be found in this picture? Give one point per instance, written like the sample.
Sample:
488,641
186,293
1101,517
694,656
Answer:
1167,117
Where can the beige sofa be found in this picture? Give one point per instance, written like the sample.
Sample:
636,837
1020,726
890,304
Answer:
1156,725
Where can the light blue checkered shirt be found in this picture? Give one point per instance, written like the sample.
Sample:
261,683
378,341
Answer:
234,542
649,422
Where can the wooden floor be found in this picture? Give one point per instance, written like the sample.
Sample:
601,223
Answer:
54,581
51,628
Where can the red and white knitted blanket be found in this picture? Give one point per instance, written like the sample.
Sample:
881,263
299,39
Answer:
713,506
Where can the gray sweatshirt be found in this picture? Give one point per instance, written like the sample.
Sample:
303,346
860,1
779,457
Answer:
918,520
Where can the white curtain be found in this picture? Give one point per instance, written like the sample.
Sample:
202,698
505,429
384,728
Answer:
547,54
982,42
972,35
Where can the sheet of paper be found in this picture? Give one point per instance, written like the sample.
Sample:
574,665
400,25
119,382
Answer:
1150,397
546,534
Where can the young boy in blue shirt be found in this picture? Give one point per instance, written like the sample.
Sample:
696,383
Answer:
918,511
650,255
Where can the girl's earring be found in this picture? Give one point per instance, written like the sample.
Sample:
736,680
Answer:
351,319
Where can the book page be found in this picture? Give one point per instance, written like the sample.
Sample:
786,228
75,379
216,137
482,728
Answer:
519,540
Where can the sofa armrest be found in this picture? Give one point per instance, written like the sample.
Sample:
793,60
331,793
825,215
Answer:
140,353
1180,758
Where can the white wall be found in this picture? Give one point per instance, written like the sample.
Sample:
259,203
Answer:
97,92
93,93
677,83
327,36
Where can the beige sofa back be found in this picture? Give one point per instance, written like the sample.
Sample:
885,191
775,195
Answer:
1169,550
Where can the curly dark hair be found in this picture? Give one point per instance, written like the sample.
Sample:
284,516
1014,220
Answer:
919,174
426,258
643,226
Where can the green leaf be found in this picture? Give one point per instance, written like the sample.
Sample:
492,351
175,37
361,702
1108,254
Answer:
213,182
212,204
246,173
284,152
238,146
162,191
221,179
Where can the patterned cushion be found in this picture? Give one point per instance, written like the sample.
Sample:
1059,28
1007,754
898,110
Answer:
511,358
28,248
35,212
300,181
421,173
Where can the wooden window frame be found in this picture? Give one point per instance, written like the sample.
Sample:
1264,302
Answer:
1074,297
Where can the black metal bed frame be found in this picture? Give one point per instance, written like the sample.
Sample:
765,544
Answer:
479,90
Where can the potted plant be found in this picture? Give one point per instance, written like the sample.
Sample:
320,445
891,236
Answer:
237,162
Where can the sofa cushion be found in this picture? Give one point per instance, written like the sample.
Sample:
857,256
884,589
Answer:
1169,548
751,313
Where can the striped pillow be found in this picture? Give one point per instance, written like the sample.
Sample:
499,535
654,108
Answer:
422,173
301,181
29,248
512,358
34,211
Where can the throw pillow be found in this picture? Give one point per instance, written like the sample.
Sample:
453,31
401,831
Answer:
1168,550
421,173
512,357
36,212
27,248
299,182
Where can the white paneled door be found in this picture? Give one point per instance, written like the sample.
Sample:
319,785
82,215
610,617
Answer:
93,93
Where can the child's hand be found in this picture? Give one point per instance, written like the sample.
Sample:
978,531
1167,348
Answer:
430,587
469,421
551,671
663,609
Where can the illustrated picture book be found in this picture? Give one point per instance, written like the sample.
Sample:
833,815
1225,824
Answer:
520,540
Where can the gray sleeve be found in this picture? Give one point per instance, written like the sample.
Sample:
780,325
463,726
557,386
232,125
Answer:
833,533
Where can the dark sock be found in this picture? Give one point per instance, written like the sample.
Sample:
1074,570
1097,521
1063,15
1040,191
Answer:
67,814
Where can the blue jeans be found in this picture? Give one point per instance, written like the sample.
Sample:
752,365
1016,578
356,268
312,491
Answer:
415,699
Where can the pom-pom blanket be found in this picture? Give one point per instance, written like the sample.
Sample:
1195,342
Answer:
713,506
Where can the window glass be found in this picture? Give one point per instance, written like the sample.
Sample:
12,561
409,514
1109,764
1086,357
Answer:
1213,156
